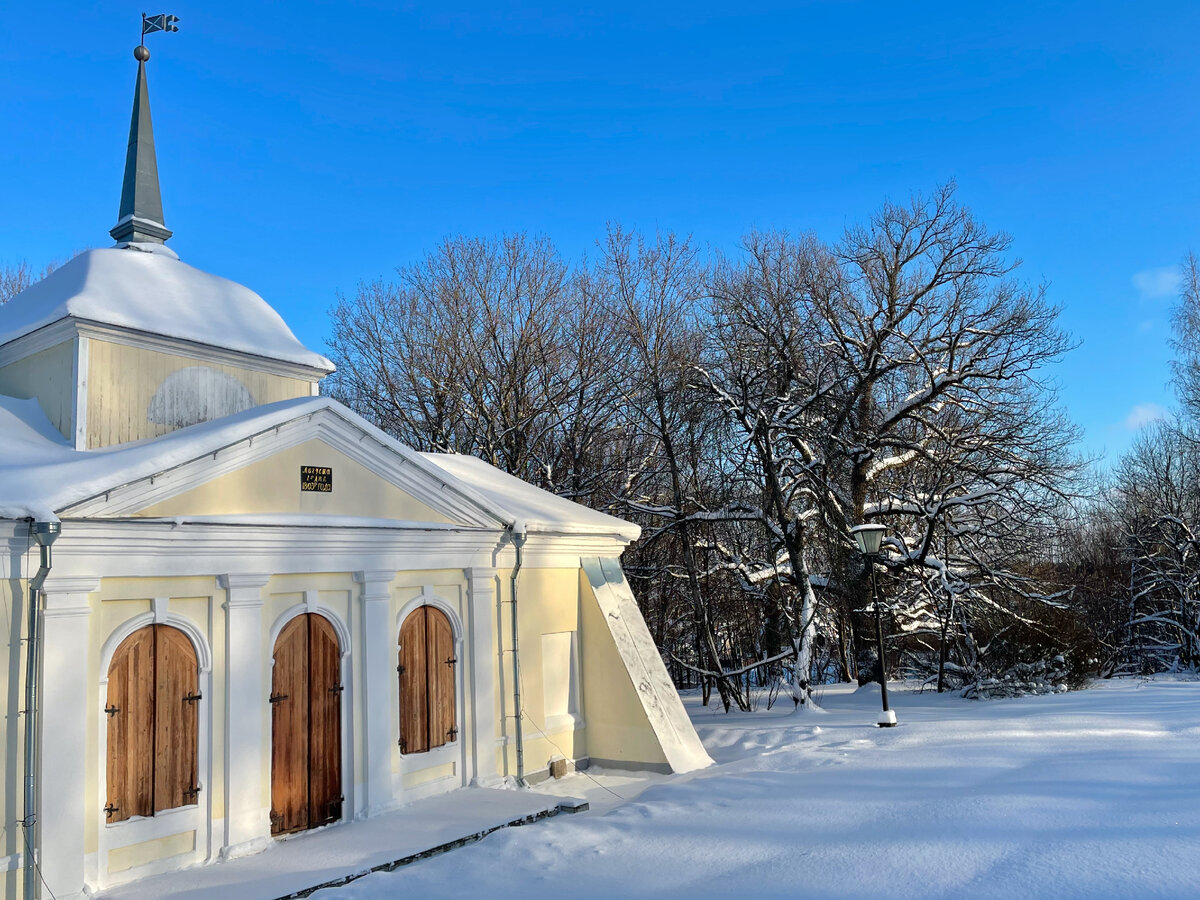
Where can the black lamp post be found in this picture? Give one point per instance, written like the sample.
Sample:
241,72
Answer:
869,538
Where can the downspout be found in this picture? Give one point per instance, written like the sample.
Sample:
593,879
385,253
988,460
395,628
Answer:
517,532
44,533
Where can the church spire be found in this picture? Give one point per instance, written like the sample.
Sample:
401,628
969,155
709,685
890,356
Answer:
141,217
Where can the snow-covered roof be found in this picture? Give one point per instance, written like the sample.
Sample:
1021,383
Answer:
41,474
145,287
540,510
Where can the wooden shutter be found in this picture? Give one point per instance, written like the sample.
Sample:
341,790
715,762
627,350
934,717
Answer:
130,711
414,709
441,663
289,728
176,718
325,723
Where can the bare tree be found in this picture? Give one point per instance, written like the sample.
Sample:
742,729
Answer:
897,378
1186,342
16,277
488,347
653,289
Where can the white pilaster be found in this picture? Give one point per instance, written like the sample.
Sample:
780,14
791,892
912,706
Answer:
484,665
378,686
247,822
62,809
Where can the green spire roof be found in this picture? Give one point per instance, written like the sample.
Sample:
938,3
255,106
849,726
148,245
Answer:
141,215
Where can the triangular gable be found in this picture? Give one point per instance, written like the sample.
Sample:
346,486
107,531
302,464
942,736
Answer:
259,471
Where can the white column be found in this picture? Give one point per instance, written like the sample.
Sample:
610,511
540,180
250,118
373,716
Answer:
484,664
64,716
379,686
247,747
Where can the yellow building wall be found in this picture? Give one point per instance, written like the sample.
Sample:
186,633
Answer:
272,485
614,725
122,381
618,729
551,601
48,376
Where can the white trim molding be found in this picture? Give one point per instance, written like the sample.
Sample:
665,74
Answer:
66,619
247,823
378,688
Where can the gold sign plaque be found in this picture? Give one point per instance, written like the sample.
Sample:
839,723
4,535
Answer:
316,478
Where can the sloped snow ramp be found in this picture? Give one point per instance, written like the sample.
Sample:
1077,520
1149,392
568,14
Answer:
660,700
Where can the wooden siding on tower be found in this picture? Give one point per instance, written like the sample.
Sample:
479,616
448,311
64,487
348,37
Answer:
48,376
122,382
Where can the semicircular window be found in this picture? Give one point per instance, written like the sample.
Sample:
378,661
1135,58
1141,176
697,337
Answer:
197,394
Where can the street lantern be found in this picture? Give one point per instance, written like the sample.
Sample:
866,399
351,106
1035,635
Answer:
869,538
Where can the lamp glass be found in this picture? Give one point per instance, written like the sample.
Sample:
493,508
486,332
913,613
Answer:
869,538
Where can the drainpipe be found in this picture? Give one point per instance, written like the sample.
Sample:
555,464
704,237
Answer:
517,532
44,533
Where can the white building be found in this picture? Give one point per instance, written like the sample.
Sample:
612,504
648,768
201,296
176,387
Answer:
263,614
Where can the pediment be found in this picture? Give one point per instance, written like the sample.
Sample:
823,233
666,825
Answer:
326,463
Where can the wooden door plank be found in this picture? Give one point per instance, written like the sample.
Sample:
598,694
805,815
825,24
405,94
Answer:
130,712
414,709
175,719
289,729
325,723
441,664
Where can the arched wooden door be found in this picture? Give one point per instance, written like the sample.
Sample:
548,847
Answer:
426,670
306,726
153,689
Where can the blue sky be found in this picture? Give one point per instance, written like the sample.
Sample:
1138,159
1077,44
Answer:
306,146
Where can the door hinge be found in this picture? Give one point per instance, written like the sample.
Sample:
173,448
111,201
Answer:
403,746
400,669
451,661
275,698
193,791
112,710
192,698
110,809
452,733
336,689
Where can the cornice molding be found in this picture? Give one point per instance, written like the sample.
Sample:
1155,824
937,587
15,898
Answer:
69,327
247,581
71,584
133,548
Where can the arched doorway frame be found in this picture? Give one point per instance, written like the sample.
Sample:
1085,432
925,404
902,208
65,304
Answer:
311,604
457,751
114,836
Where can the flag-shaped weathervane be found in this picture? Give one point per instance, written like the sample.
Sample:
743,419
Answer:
163,22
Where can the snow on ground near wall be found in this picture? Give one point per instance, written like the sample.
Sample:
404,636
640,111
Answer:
1091,794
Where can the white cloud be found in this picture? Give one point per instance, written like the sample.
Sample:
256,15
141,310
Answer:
1155,284
1144,414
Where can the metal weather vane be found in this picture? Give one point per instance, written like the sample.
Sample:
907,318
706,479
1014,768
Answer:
161,22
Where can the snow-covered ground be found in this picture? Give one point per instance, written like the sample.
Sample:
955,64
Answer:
1091,794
